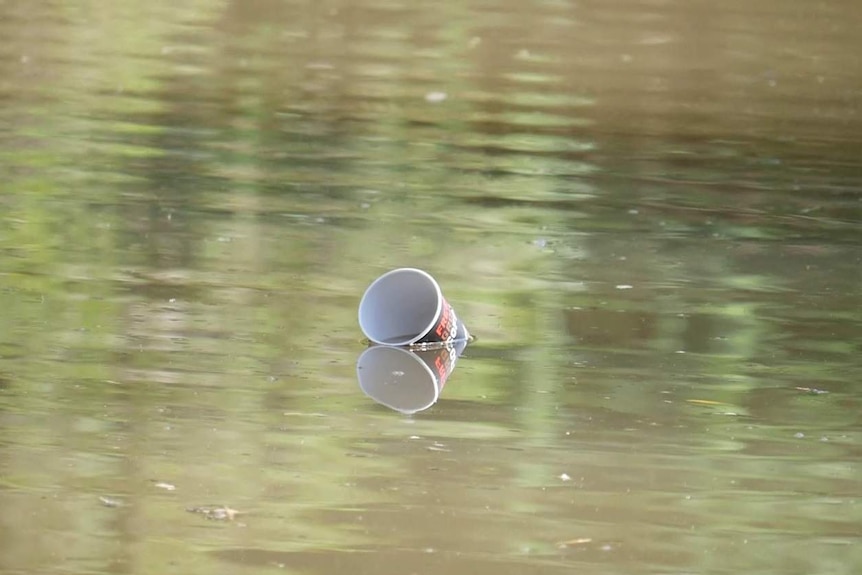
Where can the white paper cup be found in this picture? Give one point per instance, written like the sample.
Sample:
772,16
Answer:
405,306
405,380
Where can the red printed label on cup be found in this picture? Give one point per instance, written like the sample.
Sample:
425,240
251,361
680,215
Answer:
446,328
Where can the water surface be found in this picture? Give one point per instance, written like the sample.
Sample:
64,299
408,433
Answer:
648,213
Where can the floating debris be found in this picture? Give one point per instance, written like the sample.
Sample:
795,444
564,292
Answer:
217,513
110,502
811,390
574,542
165,486
717,407
705,402
565,477
435,97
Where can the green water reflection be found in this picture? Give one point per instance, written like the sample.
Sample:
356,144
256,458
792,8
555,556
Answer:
649,214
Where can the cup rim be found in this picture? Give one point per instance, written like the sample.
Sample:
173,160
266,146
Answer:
383,277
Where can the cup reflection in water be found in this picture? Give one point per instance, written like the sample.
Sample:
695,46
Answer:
405,306
405,380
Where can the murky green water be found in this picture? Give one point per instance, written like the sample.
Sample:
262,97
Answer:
647,212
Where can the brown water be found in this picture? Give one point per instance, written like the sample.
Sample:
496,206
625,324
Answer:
648,212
